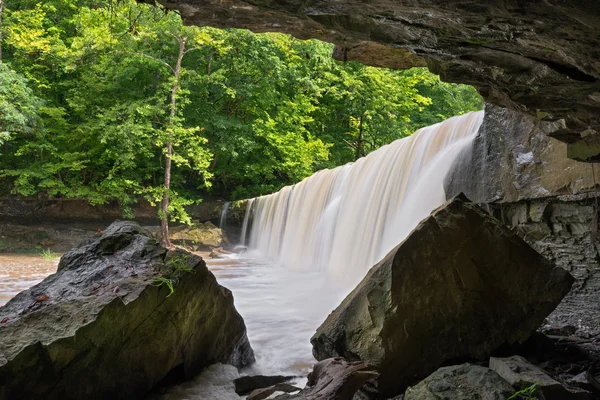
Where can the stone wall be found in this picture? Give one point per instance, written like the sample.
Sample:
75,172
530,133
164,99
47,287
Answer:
565,230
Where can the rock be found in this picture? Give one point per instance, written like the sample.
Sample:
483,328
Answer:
541,59
104,326
586,381
263,393
520,374
218,252
564,330
199,236
459,286
461,382
247,384
493,168
335,379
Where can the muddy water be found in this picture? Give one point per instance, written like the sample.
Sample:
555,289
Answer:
21,271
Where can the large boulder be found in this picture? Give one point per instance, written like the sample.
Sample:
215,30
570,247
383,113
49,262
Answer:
460,286
120,315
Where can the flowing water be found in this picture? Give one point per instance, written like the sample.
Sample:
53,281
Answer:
21,271
346,219
309,245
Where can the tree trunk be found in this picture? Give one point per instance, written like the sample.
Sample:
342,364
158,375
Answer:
164,218
1,38
360,143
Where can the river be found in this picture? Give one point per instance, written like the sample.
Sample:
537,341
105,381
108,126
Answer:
280,306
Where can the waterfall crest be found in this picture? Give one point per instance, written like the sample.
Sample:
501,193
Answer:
346,219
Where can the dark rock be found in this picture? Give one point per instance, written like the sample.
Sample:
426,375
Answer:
572,245
520,374
586,381
540,57
458,287
565,330
461,382
246,384
335,379
263,393
104,327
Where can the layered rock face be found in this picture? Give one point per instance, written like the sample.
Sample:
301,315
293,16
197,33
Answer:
106,325
540,57
460,286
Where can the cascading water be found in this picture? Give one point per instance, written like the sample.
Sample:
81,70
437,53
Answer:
346,219
223,216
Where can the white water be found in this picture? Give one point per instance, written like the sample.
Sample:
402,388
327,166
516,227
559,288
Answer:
346,219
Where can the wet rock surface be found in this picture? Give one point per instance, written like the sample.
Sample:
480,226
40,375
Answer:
513,159
335,379
106,325
538,57
457,287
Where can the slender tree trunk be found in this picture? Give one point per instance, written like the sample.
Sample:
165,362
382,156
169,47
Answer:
360,143
164,218
1,38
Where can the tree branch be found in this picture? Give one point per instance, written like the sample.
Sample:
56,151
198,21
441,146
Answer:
150,58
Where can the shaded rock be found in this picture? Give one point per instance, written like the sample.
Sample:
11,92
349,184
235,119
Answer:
459,286
335,379
461,382
263,393
198,236
247,384
586,381
521,374
104,327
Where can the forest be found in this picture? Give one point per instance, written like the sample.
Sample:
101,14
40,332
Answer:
99,99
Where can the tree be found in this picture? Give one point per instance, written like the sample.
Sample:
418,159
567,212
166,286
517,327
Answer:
18,106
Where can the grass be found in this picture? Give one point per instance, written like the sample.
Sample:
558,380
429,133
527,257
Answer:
177,266
48,254
529,393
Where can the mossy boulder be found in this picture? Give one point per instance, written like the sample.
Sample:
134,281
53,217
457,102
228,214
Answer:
199,236
108,326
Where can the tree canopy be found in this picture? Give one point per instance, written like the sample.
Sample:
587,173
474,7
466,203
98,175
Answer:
86,89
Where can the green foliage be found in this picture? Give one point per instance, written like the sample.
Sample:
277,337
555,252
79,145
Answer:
529,392
176,266
19,107
87,107
48,254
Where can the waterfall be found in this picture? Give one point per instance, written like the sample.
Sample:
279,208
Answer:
223,216
346,219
